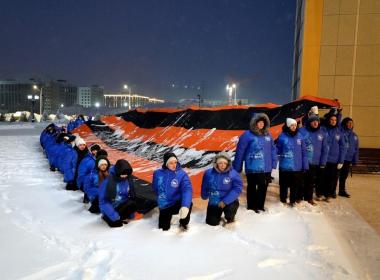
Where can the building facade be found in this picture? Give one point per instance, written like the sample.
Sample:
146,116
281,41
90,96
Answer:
91,96
337,55
130,101
14,95
53,94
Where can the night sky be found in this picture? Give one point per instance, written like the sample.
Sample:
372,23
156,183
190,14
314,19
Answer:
153,44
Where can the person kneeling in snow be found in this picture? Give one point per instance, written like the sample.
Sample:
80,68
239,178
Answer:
221,185
94,180
117,195
174,192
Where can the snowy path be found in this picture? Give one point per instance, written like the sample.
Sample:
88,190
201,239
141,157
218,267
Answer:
47,233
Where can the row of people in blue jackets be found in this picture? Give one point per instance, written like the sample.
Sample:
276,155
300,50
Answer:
110,189
298,151
309,157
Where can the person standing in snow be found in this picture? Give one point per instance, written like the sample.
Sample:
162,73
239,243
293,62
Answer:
174,192
94,180
352,153
117,195
336,153
221,185
257,150
293,160
316,149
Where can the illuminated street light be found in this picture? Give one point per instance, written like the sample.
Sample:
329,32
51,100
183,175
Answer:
230,89
97,104
126,87
35,87
33,99
62,105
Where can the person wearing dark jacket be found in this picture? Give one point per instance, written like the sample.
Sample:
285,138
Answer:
94,180
293,160
221,185
174,192
316,149
117,195
352,153
257,150
336,154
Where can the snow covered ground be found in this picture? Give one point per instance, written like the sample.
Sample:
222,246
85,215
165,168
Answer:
47,233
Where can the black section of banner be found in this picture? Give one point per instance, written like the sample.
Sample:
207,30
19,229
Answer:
224,119
150,150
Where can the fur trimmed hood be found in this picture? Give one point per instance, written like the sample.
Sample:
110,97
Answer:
225,156
259,117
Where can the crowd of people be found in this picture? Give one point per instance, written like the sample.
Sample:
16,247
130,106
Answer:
312,159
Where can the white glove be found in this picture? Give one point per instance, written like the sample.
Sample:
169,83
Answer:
183,212
340,165
314,110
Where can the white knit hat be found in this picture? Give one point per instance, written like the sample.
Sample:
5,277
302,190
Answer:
79,141
314,110
290,121
102,161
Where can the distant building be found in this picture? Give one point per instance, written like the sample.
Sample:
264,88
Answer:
14,95
57,94
54,94
130,101
91,96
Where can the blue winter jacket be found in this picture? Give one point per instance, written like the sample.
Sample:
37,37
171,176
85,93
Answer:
71,126
58,154
107,207
91,185
256,148
221,186
351,141
84,169
316,145
68,163
292,152
171,187
336,144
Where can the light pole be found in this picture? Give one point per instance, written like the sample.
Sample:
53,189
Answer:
33,99
126,87
35,87
229,89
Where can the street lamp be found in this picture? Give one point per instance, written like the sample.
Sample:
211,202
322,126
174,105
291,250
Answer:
33,99
126,87
230,89
35,87
97,104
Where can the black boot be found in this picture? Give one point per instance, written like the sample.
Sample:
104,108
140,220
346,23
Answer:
112,224
71,186
344,194
52,168
85,198
94,207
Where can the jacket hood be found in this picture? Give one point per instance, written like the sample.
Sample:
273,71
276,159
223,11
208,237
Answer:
123,167
344,123
256,118
225,156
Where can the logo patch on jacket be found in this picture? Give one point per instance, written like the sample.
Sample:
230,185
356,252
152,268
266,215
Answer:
226,180
337,137
267,138
174,183
299,141
320,137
